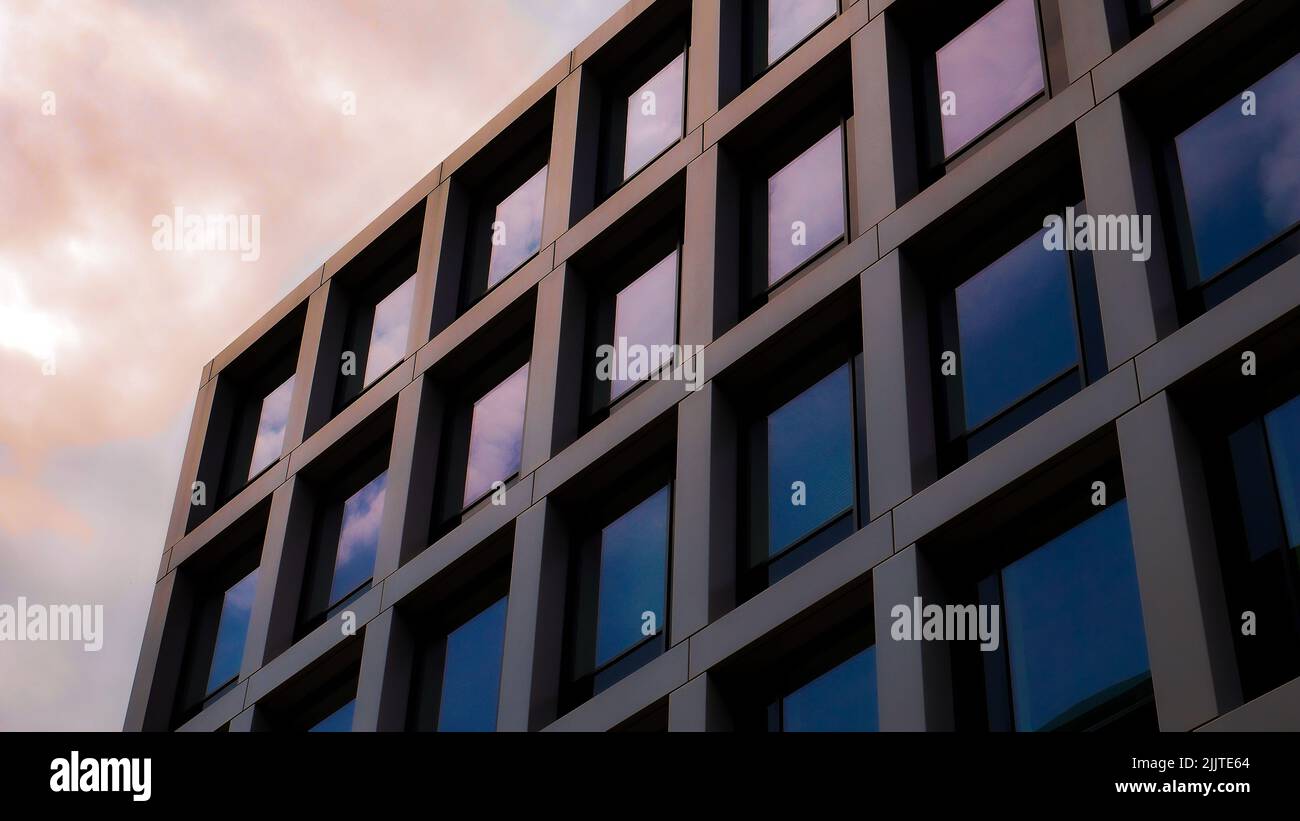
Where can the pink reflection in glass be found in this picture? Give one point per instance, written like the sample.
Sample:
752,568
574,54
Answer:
654,116
645,313
805,206
389,332
517,228
790,21
270,428
496,435
988,71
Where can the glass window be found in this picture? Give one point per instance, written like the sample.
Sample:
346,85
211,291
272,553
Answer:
633,576
988,71
1016,327
645,314
655,116
339,721
270,428
517,228
1084,577
810,440
1239,173
496,436
389,331
232,630
790,21
843,699
805,202
358,538
1283,426
471,678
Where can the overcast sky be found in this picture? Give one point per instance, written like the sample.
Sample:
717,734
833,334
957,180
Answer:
113,112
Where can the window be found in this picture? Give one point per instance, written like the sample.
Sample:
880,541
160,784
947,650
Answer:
1259,541
987,72
339,721
806,206
655,116
790,22
496,436
517,228
802,468
392,323
619,615
232,630
842,699
1027,333
271,422
1048,674
471,677
346,540
1235,212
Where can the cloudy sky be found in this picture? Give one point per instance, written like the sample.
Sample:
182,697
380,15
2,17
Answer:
115,111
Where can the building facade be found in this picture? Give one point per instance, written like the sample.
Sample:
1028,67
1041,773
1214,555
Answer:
783,365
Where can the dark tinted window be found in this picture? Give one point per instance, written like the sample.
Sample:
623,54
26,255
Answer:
517,228
988,71
1016,328
271,423
806,206
358,538
645,314
655,116
1239,173
789,22
340,721
389,331
1075,639
496,435
1283,426
843,699
633,577
232,630
471,678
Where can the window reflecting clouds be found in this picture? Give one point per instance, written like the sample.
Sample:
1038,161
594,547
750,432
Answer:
655,116
805,202
389,332
358,538
496,435
270,428
517,228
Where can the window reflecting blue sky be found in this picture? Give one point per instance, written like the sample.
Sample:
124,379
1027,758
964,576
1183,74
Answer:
633,575
1283,425
810,190
1241,174
358,538
1015,323
810,440
790,21
340,721
1074,621
496,435
389,331
232,630
645,313
991,68
655,116
270,428
519,220
471,677
843,699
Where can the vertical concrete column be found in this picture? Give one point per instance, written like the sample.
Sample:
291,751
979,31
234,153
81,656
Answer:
1137,297
1089,31
153,693
913,678
557,213
274,618
384,682
322,344
426,270
704,554
200,425
883,147
899,408
1189,639
703,64
530,664
309,350
697,706
442,251
710,290
412,475
555,368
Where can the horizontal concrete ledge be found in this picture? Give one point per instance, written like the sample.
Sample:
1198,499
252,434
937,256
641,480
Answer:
1276,711
312,647
1265,302
987,164
628,697
378,394
259,490
1033,446
803,590
219,713
478,529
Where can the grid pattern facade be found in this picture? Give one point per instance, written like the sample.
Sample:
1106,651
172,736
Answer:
1112,71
